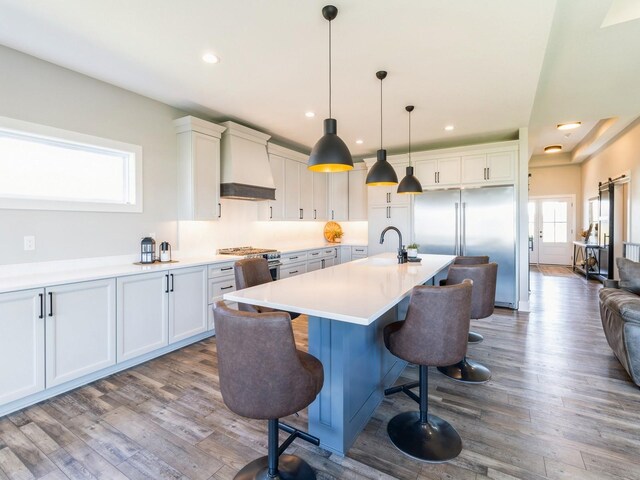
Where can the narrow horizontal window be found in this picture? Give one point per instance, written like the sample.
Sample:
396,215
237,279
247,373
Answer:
52,169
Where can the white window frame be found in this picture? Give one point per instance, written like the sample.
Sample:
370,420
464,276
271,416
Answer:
67,136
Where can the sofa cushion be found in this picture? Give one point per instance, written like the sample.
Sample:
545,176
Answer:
629,275
622,303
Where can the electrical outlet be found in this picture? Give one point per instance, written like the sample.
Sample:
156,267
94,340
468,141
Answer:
29,242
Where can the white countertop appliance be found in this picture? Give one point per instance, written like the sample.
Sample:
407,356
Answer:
270,255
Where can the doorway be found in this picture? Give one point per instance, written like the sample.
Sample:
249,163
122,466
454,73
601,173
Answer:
551,229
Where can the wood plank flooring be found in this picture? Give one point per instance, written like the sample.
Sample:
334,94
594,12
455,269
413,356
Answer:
559,406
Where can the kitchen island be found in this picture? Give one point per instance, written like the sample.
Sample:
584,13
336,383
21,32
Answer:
348,307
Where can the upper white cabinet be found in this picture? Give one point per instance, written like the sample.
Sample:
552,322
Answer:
22,320
489,168
388,195
275,208
320,196
339,196
198,171
80,329
358,192
438,172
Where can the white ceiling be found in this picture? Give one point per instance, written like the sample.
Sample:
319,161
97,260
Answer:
486,67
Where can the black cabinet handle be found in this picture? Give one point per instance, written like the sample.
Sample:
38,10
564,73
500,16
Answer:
292,258
225,268
291,273
41,305
219,210
323,263
172,282
332,216
167,278
488,174
301,213
226,288
315,214
51,304
270,212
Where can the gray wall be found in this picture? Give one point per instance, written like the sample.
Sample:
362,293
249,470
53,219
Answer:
40,92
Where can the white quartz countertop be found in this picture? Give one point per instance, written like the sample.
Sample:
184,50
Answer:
71,271
356,292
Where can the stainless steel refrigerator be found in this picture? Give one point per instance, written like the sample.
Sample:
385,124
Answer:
475,221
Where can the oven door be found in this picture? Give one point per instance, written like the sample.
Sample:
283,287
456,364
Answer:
274,270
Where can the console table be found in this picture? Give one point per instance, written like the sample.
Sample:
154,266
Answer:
581,254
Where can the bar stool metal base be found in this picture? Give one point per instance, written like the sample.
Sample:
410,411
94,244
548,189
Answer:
435,441
467,371
474,337
290,467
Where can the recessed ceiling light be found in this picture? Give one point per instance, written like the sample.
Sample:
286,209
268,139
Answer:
552,148
309,114
210,58
359,141
568,126
448,128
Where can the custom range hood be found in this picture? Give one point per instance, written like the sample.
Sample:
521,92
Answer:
245,173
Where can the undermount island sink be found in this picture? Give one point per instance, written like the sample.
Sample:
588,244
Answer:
382,262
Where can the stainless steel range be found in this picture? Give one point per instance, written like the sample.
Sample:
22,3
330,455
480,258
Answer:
270,255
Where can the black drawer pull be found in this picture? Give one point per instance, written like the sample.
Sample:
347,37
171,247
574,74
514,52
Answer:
226,288
225,268
41,305
292,258
51,304
295,271
167,289
171,282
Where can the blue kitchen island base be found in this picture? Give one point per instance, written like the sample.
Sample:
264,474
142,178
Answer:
357,369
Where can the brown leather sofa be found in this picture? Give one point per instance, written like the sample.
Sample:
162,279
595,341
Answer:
620,315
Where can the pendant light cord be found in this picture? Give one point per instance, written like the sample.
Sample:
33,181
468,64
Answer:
330,69
381,114
409,138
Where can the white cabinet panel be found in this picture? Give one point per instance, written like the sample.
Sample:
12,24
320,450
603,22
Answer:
501,167
313,265
438,172
426,172
292,270
187,302
198,169
21,344
474,168
291,190
357,194
276,207
143,314
306,192
80,329
381,217
339,196
388,195
219,286
320,196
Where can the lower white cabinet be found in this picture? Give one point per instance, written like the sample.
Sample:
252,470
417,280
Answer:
187,302
143,314
21,344
80,329
291,270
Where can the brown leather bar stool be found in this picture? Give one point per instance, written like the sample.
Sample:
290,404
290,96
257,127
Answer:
483,299
434,333
264,376
250,272
474,337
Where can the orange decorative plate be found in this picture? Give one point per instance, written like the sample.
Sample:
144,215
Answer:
331,230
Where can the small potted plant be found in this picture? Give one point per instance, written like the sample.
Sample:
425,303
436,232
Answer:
337,237
412,250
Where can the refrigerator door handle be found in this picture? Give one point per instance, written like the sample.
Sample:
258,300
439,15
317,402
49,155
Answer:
457,236
464,228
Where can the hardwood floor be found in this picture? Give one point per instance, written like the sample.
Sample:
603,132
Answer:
559,406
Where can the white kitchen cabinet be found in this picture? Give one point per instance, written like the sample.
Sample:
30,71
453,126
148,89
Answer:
22,368
80,329
198,172
339,196
315,264
187,302
276,207
221,280
438,172
143,314
320,196
292,207
388,195
358,253
293,269
380,217
489,168
306,192
358,193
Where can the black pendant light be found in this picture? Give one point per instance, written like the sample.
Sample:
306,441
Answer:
381,173
410,184
330,154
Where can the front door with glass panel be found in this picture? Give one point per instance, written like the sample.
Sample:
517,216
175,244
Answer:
551,230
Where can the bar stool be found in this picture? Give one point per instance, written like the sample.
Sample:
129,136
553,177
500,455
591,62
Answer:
474,337
264,376
434,333
250,272
483,298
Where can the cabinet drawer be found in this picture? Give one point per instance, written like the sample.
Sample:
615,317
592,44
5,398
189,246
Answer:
220,286
314,254
328,252
293,258
287,271
220,269
358,252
